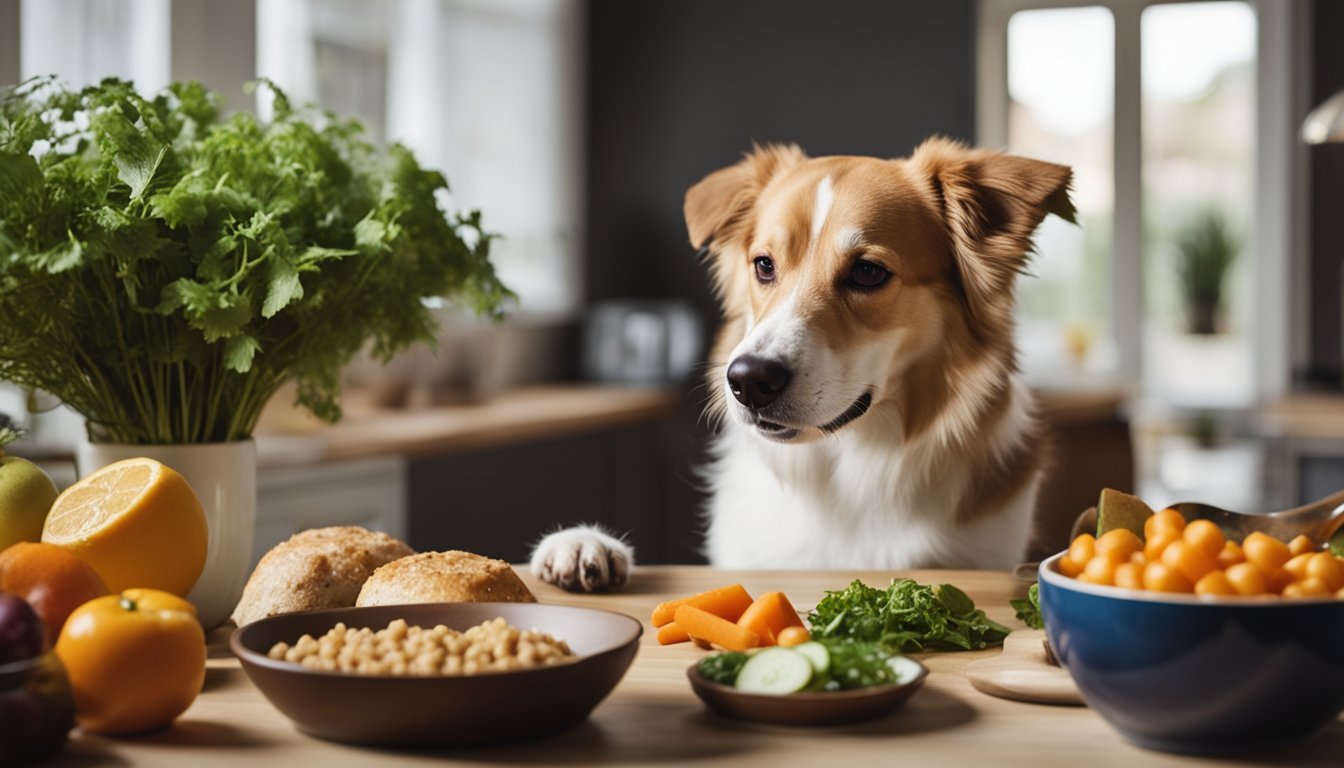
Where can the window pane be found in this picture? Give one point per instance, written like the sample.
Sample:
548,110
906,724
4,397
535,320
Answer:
84,41
1198,169
480,89
1061,86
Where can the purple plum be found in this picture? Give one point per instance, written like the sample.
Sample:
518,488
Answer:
21,634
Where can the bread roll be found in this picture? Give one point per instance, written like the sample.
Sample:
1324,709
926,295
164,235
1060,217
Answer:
444,577
317,568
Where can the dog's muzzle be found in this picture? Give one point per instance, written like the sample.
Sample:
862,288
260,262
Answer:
757,383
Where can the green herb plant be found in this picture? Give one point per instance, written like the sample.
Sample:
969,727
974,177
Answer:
906,616
1205,249
164,270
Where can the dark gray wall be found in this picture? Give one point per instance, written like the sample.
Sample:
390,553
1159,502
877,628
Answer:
679,88
1326,240
9,42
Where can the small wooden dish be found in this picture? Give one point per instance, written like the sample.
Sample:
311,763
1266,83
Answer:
808,708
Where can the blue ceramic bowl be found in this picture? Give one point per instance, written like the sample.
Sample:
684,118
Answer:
1184,674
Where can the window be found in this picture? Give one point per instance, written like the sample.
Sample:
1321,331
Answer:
408,69
1198,90
1061,88
1178,288
84,41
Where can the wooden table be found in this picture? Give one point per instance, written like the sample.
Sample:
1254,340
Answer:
652,718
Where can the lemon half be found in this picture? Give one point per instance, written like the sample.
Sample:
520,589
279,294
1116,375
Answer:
137,522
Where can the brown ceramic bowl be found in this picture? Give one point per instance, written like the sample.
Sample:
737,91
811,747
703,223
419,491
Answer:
819,708
383,710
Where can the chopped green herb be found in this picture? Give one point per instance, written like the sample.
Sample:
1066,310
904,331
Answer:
723,667
906,616
856,664
1029,610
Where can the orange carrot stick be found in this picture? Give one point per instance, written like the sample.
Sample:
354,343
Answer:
769,615
725,602
703,625
672,633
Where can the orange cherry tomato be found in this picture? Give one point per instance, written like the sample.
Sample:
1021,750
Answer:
1301,544
135,660
1268,553
795,635
1205,536
1121,542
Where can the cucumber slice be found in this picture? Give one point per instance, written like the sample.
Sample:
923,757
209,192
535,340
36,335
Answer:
775,671
817,654
905,669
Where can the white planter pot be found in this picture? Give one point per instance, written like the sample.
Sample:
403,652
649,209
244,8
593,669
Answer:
224,476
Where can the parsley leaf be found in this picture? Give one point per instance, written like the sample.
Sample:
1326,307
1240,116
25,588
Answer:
906,616
1029,610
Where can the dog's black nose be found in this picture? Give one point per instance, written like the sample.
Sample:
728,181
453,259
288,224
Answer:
755,382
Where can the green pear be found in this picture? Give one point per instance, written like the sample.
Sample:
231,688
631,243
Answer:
26,496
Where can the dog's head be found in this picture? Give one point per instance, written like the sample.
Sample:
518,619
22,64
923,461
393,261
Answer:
840,276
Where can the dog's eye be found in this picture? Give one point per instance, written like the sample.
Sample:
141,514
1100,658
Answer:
765,268
867,274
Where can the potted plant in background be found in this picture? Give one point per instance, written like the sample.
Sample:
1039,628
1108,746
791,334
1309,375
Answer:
163,271
1206,247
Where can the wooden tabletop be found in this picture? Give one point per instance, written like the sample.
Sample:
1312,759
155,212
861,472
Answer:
652,718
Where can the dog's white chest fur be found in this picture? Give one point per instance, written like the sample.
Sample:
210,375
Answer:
859,499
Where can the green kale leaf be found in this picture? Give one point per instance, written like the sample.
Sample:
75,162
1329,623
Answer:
906,616
1029,609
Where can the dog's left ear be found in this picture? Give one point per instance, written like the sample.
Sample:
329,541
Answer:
718,208
992,204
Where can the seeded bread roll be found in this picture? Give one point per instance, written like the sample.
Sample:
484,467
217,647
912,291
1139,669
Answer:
444,577
317,568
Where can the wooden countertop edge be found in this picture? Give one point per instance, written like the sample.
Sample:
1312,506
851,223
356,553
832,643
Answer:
510,418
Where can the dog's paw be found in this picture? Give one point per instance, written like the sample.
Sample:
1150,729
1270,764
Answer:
584,558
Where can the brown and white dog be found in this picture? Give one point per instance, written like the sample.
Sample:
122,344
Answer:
865,377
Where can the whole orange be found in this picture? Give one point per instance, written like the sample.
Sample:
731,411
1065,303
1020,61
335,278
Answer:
51,579
135,660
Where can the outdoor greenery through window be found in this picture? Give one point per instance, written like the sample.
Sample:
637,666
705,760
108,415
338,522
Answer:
1061,86
1198,170
1181,340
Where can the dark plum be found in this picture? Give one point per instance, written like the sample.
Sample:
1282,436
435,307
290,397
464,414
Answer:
21,635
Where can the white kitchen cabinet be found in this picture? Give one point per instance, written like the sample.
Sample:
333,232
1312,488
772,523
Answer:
368,492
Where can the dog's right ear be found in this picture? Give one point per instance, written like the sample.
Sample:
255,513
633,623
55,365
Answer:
718,207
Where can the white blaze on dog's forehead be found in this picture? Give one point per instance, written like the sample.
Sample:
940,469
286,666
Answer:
822,207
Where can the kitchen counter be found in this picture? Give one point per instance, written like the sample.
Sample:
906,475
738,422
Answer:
509,417
652,718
